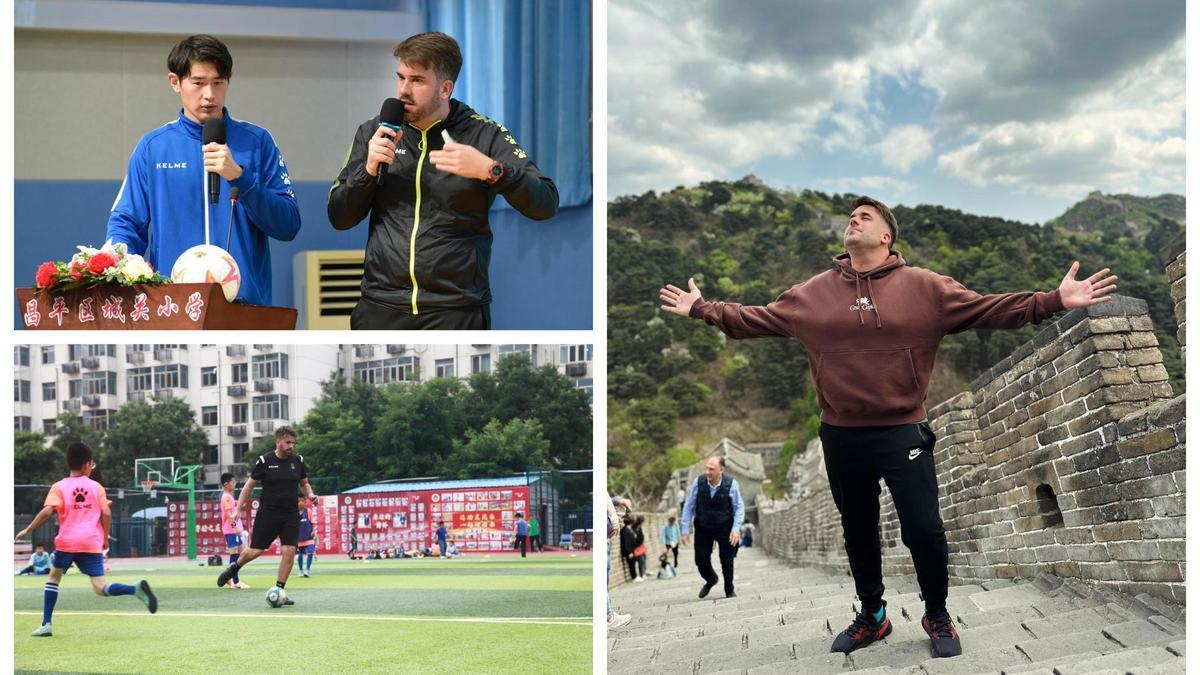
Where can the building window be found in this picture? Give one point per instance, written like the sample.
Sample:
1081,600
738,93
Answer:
575,353
240,450
140,379
47,354
241,413
137,348
208,416
76,352
50,426
20,356
240,373
522,349
271,407
49,391
21,391
267,366
23,423
97,419
172,376
208,376
443,368
382,371
481,363
100,382
213,455
585,383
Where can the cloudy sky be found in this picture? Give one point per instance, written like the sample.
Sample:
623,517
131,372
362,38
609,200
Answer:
1013,109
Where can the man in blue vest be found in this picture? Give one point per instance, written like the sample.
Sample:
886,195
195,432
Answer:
716,504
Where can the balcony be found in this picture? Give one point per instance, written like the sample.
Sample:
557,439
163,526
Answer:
164,354
71,368
364,351
137,396
264,386
236,390
264,348
236,430
72,405
90,362
165,394
135,358
575,369
235,350
91,400
397,349
264,427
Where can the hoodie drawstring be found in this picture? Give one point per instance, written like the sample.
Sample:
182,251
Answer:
857,295
871,292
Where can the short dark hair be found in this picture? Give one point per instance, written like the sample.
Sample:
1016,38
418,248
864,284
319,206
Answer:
37,546
520,515
285,430
78,454
200,49
226,477
432,50
888,216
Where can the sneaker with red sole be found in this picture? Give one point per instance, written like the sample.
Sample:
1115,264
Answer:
861,632
943,639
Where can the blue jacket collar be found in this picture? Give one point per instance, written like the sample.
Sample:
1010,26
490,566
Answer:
195,130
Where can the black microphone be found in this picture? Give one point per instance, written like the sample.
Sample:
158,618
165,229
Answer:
234,193
391,115
214,132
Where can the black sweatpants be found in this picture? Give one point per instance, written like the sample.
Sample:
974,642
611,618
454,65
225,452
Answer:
370,315
856,458
725,551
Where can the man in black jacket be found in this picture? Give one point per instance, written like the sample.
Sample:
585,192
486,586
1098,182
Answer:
716,502
430,244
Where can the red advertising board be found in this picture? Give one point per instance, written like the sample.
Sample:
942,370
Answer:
209,538
477,520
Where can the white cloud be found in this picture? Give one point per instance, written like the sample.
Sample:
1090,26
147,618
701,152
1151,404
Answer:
905,146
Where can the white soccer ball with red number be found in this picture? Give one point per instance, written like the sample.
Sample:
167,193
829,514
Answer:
207,264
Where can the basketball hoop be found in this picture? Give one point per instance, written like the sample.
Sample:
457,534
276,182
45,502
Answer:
148,485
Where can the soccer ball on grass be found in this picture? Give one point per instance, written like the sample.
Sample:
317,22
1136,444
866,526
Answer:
276,596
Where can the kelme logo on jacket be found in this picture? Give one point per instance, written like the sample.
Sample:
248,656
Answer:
861,304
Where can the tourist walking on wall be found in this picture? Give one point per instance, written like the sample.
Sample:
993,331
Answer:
715,503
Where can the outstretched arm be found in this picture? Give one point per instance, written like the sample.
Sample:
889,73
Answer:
40,518
964,309
736,321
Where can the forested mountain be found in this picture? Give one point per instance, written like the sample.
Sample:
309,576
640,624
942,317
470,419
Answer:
676,385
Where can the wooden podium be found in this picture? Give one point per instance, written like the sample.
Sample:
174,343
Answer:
141,307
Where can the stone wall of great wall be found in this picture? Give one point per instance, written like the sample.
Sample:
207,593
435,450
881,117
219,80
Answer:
1067,458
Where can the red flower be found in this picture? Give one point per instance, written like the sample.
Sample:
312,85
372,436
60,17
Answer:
101,262
45,274
76,271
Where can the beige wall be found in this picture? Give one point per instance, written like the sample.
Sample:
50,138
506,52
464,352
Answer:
82,100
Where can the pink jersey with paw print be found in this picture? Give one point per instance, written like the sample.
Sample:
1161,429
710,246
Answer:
79,502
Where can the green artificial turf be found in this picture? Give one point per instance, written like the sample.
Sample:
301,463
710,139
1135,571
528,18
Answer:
430,615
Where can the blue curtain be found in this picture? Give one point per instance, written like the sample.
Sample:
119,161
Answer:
527,65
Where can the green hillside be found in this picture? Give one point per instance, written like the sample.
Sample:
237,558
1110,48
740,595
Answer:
676,385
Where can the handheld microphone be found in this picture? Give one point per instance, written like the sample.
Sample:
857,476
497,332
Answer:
391,115
234,193
214,132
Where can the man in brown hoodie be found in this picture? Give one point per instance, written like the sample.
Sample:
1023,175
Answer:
871,327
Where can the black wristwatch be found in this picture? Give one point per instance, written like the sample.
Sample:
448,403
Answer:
495,173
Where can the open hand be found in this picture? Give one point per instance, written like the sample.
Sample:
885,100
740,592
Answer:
679,301
1090,291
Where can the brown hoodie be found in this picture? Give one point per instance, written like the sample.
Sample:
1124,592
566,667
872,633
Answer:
872,370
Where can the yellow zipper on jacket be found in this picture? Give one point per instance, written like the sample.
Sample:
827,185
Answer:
412,242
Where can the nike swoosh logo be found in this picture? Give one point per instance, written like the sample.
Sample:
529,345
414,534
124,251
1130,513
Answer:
914,453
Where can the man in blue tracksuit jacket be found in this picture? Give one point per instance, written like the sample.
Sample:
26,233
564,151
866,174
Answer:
159,212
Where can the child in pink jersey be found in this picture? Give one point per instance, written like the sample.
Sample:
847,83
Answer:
83,521
231,526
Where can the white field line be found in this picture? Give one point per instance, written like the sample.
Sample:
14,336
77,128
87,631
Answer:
547,621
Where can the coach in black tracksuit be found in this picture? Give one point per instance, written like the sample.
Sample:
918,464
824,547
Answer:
430,244
283,475
716,503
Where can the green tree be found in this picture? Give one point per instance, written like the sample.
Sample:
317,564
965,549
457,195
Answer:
498,449
35,462
687,396
139,430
